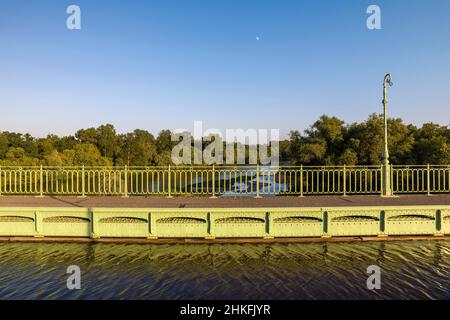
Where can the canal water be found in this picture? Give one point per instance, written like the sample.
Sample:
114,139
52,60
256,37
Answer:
409,270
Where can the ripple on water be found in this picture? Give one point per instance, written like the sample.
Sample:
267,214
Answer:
410,270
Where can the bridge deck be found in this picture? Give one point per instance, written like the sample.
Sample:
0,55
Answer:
239,202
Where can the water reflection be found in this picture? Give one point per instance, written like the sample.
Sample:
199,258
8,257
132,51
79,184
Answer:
282,271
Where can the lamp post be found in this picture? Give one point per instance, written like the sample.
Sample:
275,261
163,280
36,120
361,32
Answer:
386,172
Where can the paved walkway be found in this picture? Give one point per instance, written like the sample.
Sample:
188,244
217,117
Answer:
239,202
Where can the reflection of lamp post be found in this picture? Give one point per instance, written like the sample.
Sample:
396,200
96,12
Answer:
386,173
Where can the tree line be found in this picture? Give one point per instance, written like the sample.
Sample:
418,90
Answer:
101,146
329,141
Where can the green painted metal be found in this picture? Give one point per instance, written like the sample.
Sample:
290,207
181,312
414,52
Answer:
218,180
351,222
438,221
382,222
414,221
325,223
224,223
386,167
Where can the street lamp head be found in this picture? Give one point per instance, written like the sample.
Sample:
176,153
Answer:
388,80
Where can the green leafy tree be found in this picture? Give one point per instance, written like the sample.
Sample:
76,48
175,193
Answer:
138,148
87,135
432,145
53,158
4,145
106,139
16,156
85,154
329,141
368,140
164,141
322,142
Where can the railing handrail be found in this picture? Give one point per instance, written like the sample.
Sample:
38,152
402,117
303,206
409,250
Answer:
217,167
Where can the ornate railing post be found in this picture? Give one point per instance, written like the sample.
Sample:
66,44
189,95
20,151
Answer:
428,180
41,182
344,183
125,194
213,182
169,183
386,174
448,183
83,182
381,179
301,180
257,182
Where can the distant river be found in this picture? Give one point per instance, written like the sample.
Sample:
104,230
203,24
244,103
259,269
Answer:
410,270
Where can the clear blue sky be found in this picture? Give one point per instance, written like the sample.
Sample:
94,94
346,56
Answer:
163,63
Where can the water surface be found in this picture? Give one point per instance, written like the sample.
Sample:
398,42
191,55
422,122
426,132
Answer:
410,270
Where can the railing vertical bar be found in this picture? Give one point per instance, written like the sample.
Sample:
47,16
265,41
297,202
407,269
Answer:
344,182
41,185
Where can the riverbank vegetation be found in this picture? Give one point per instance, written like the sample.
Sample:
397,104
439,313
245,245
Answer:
329,141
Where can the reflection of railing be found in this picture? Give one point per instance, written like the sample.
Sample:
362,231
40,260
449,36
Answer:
220,180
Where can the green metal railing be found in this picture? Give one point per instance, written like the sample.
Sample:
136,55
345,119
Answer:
421,179
221,180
